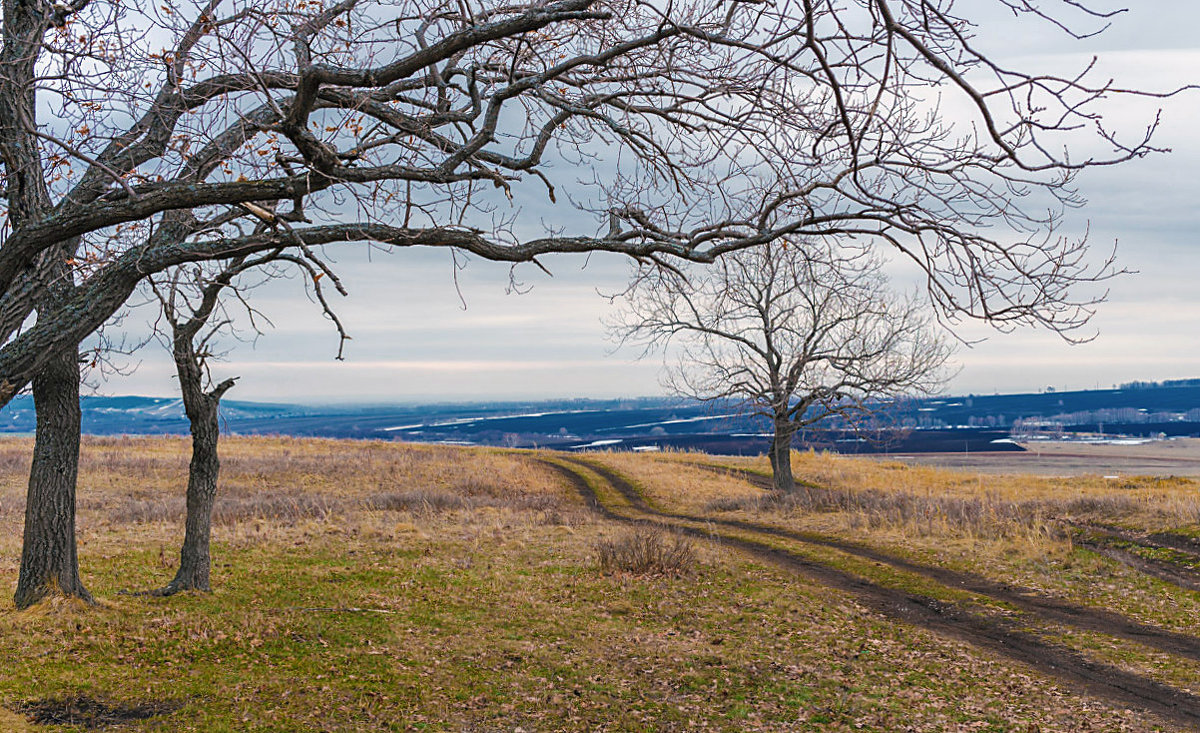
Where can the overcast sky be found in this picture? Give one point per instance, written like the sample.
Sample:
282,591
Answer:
413,340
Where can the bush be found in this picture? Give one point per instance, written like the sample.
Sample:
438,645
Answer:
645,551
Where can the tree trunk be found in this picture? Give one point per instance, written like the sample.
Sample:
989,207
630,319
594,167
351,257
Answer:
781,456
49,562
195,560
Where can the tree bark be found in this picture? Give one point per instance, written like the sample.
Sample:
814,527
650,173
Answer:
49,561
781,456
195,558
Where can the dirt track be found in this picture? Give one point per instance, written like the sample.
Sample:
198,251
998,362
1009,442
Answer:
1122,546
995,634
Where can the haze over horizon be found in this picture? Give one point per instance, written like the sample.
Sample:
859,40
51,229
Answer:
414,341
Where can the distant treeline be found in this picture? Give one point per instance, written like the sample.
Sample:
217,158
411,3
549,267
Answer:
1162,384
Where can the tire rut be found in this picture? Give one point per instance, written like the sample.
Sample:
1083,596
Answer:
1119,544
1164,569
995,635
1176,541
1181,544
1046,607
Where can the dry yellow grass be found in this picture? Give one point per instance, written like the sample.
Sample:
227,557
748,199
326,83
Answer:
485,606
673,478
1011,528
13,723
891,503
1152,501
269,484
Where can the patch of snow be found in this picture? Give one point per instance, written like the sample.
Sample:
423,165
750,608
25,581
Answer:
470,421
677,421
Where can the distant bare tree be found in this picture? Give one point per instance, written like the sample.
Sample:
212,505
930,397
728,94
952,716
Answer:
796,334
194,315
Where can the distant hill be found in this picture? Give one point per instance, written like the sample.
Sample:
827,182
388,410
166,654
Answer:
140,415
964,423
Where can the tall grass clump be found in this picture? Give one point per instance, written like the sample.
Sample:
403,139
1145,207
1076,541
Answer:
645,551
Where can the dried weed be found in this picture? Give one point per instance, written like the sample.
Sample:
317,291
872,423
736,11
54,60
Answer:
644,551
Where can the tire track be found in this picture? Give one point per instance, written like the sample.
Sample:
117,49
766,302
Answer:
1164,570
1046,607
995,635
1094,537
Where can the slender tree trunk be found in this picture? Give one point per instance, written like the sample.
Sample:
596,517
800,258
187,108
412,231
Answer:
781,456
49,561
195,559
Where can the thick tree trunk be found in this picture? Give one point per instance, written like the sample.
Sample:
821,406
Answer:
49,562
195,560
781,456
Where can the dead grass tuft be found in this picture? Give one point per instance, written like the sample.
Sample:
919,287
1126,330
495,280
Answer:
418,501
644,551
286,508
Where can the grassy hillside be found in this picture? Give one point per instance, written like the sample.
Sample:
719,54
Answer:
378,586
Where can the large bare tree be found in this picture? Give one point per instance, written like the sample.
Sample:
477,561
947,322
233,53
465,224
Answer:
136,136
798,335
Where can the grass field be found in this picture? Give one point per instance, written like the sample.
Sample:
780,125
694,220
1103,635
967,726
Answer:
378,586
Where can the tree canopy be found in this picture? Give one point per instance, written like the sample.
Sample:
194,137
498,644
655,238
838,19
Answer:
136,136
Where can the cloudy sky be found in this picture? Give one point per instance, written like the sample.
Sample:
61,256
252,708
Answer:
417,336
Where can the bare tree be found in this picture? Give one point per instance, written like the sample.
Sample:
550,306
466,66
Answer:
795,334
194,315
137,136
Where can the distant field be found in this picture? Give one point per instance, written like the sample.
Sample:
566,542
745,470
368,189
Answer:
1175,457
384,586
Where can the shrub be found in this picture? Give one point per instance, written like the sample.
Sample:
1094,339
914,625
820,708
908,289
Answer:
645,551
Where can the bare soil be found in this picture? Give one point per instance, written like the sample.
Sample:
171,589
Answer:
91,714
